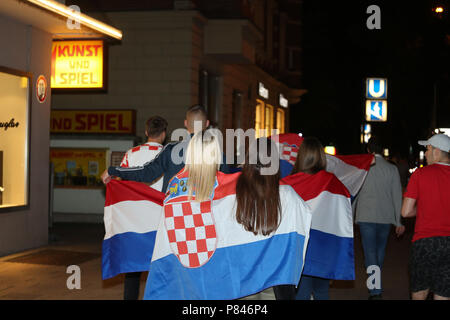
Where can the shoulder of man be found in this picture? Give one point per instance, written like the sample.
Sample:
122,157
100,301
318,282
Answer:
144,147
168,148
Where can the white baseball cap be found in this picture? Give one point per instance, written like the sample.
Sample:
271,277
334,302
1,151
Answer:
440,141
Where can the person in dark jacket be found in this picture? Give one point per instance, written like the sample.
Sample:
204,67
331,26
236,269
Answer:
170,160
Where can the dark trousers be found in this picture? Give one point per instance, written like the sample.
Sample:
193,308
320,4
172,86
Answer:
131,286
284,292
317,287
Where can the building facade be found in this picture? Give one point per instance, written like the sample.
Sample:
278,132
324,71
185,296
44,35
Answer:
26,32
237,58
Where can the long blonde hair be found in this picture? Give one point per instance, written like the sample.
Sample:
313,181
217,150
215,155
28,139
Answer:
203,158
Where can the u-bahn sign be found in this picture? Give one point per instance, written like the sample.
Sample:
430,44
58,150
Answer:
376,88
376,110
376,99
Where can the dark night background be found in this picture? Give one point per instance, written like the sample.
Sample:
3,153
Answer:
411,50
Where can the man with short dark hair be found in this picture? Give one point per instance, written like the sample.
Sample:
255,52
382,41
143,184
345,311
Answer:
164,163
378,206
428,197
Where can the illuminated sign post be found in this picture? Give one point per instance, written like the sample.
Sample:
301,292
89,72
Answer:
376,99
376,110
78,64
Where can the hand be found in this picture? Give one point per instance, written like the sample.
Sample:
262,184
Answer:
399,230
106,177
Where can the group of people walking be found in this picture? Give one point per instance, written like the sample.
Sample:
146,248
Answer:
259,199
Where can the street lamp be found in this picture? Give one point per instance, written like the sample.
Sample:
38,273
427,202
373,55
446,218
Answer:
439,9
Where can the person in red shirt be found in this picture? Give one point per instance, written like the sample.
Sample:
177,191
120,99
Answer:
427,197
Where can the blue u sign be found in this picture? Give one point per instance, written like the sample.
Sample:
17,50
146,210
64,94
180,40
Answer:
376,88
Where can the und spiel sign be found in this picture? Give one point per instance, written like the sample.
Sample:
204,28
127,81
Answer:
77,64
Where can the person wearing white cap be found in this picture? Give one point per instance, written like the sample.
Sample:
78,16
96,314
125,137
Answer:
427,197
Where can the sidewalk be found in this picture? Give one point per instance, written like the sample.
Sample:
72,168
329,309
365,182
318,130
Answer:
40,274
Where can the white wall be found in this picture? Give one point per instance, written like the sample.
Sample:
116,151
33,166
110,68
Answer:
83,205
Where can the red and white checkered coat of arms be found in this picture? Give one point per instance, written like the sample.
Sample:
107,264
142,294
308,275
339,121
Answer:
191,231
289,152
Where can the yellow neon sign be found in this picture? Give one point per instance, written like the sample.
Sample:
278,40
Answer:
77,64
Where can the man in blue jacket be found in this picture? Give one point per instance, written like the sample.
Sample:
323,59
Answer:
170,160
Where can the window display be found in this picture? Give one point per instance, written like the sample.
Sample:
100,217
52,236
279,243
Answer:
78,167
14,138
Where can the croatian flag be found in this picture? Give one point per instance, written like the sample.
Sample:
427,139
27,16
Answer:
132,214
351,170
330,252
201,252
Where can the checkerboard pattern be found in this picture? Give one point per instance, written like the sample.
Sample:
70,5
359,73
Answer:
289,153
191,231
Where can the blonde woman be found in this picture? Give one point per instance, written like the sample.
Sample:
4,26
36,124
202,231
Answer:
203,159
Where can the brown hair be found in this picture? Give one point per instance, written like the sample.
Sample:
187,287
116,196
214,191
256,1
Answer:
311,157
257,195
155,126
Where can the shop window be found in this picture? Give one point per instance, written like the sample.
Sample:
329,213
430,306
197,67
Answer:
280,120
14,138
268,120
259,118
210,95
78,167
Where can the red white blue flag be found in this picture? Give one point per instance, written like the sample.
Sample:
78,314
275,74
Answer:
201,252
330,252
131,216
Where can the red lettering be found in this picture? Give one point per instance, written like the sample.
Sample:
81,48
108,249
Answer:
71,54
92,120
67,124
97,46
57,124
80,51
80,121
110,122
89,50
101,121
121,127
62,50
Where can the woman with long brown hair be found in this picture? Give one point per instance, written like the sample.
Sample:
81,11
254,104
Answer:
260,199
257,194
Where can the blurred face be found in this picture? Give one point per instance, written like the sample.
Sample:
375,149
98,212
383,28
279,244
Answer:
432,154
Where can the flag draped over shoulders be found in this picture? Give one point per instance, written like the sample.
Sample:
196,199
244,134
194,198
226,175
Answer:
330,252
201,252
131,216
351,170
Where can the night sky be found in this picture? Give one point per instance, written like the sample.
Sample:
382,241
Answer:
339,52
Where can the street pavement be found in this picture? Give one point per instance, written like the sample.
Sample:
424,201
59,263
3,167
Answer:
81,244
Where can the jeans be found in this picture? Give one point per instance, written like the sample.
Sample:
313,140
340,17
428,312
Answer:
318,287
374,237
